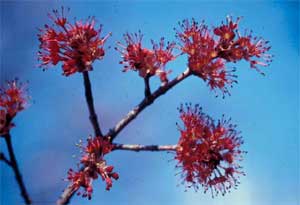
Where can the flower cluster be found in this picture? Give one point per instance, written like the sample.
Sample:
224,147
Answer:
234,47
146,61
76,45
94,165
13,99
208,152
209,51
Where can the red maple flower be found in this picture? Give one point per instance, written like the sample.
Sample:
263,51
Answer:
200,46
208,152
75,45
94,165
227,32
146,61
13,99
234,47
81,179
209,51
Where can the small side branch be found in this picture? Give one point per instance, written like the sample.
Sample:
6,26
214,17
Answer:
15,167
138,148
4,159
70,191
90,103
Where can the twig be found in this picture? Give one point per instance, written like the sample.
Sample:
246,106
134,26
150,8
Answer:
69,191
66,195
14,166
90,103
147,87
4,159
145,103
137,147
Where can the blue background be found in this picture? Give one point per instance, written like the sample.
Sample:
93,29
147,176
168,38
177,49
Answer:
265,108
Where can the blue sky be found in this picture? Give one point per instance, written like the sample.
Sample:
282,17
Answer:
266,109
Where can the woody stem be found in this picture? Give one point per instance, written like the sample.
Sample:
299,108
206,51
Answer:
4,159
145,103
147,87
15,167
138,147
90,103
148,100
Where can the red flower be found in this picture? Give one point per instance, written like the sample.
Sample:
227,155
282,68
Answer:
227,32
13,99
253,49
234,47
202,56
98,145
81,179
209,51
196,39
146,61
76,45
94,166
208,152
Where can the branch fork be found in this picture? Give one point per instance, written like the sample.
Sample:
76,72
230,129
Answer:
113,132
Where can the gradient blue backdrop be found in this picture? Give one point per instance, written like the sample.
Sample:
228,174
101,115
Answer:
265,108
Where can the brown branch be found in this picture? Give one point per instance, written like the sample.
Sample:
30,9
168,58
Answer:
15,167
90,103
66,195
145,103
4,159
137,147
69,191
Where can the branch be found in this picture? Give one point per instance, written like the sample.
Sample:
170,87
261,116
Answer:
145,103
90,103
14,166
4,159
137,147
66,195
69,191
